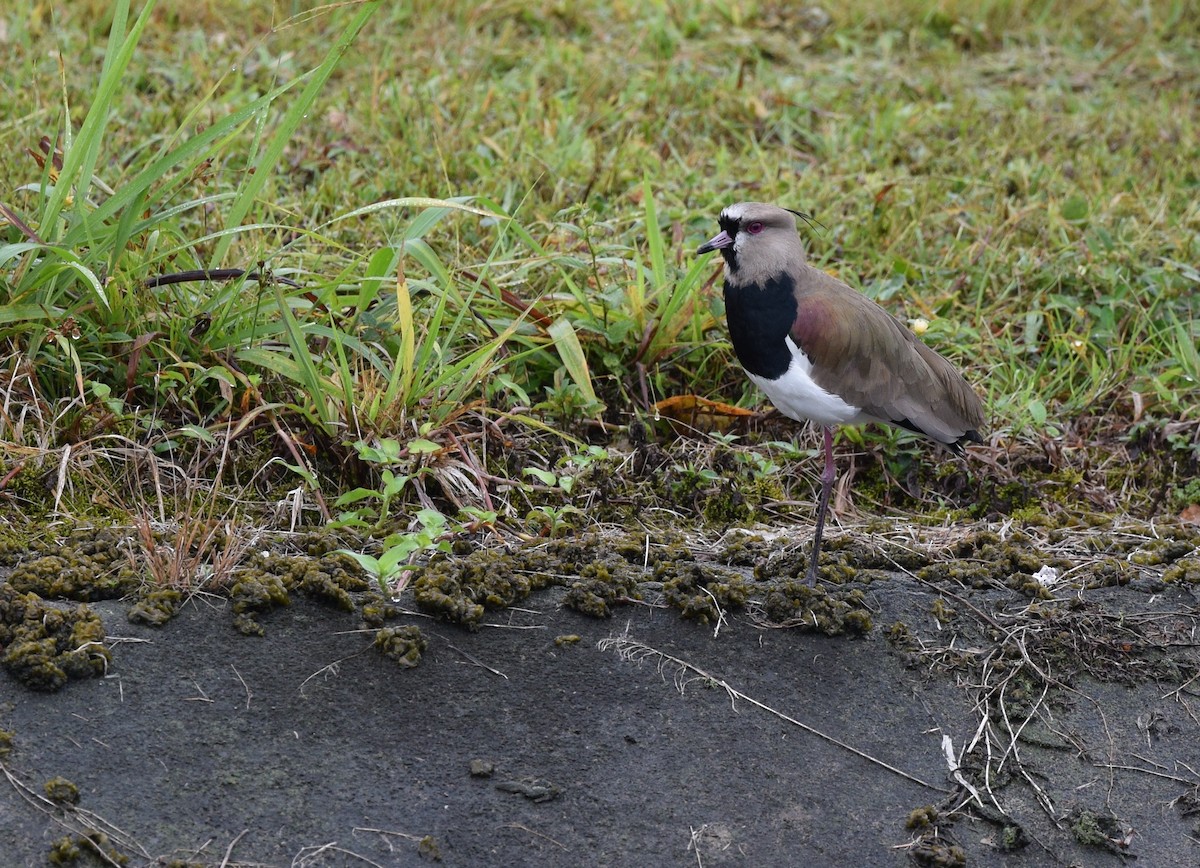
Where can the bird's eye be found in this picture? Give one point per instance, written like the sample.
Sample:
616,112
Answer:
754,228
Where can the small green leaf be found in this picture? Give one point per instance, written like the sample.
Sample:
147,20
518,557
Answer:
198,432
302,472
566,341
1075,209
421,446
389,561
368,563
543,476
349,518
355,495
394,484
432,520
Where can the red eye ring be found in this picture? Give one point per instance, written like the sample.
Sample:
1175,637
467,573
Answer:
754,228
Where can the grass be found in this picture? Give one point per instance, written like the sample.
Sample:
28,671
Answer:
490,211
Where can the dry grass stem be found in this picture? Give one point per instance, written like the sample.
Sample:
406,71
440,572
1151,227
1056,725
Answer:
628,648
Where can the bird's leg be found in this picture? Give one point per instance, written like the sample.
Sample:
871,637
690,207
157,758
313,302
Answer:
827,477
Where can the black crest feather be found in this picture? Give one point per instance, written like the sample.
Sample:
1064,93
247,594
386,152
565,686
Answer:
808,218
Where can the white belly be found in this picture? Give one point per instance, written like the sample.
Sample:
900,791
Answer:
797,396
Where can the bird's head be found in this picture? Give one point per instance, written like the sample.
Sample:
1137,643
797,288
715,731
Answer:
757,240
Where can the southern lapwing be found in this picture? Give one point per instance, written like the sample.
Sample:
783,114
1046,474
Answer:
821,351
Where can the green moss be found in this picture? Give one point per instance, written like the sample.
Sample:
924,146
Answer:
601,585
1091,829
44,646
61,791
68,850
376,611
462,589
6,743
941,611
727,506
1185,571
698,590
85,564
796,604
428,849
253,594
1163,551
934,852
454,607
1012,837
921,818
567,639
742,550
1109,573
156,608
405,644
64,851
900,634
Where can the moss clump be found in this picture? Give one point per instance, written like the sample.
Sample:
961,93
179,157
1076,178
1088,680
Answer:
922,817
984,560
322,586
376,611
567,639
1012,837
1095,830
330,579
6,742
1163,551
156,608
601,585
86,564
874,554
796,604
743,550
726,506
1108,573
45,646
427,849
481,768
462,589
900,634
323,542
942,612
405,644
270,579
64,851
1185,571
933,851
61,791
68,850
253,594
455,606
697,590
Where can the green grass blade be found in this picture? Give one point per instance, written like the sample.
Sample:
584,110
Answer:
566,341
80,160
292,119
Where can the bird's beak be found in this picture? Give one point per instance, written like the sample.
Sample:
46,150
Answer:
715,243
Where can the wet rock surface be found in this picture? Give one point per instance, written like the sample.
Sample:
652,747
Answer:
1073,718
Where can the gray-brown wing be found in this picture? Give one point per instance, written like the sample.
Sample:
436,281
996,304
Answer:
865,355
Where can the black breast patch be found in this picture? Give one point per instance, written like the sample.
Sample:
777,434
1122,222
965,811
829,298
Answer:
760,318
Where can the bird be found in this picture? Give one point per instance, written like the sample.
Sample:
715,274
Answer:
824,352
